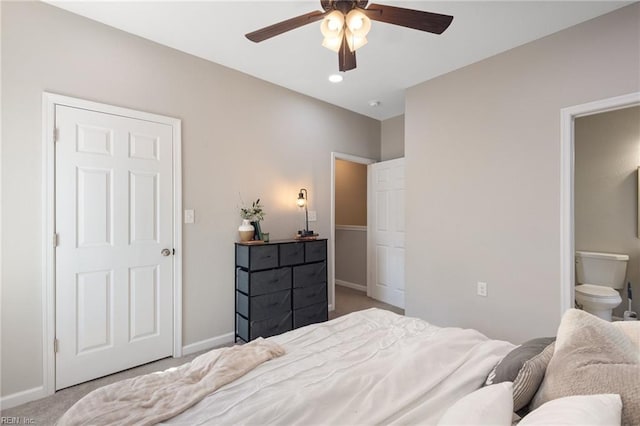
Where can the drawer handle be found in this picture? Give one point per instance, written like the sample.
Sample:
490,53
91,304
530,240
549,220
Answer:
312,295
272,304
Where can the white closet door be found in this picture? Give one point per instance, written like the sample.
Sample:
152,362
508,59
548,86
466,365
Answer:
114,289
386,228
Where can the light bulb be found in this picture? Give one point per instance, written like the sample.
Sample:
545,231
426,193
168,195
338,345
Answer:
332,24
355,41
358,23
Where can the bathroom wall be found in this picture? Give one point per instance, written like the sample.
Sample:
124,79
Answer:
351,222
607,156
351,193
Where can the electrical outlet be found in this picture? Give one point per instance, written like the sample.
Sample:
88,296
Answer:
189,216
313,216
482,289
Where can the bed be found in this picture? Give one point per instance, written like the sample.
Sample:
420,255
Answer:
377,367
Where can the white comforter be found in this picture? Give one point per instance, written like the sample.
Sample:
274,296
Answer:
369,367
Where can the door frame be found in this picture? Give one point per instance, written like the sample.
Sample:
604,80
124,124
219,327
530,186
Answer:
332,240
567,174
49,103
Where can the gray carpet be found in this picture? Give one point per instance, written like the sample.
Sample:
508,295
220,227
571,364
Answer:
348,300
47,410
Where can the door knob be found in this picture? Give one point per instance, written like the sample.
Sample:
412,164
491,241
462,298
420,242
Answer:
165,252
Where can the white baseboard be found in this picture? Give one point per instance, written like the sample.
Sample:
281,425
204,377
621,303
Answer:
353,286
29,395
23,397
203,345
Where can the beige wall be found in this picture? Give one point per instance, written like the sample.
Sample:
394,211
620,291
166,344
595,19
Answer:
351,193
240,135
392,138
607,156
483,175
351,258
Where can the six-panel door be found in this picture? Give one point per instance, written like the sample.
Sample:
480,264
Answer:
114,290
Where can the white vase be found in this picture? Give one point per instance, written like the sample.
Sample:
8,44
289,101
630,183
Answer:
246,230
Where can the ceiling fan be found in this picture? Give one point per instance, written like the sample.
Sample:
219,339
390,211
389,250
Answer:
345,24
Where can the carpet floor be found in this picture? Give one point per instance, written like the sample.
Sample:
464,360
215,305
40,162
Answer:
47,411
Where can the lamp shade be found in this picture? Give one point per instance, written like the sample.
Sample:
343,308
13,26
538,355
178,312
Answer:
355,41
332,43
332,29
358,23
332,24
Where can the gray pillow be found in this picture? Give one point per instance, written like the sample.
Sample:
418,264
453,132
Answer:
529,378
508,368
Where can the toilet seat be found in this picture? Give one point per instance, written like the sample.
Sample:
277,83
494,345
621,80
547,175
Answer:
598,292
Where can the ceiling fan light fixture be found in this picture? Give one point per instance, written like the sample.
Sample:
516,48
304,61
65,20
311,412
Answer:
346,23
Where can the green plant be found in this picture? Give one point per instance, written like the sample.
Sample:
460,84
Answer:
255,213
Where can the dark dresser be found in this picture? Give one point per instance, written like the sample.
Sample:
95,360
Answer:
280,286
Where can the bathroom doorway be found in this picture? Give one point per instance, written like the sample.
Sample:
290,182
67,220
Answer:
588,128
607,156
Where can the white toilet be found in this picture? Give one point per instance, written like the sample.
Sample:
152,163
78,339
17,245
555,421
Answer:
598,277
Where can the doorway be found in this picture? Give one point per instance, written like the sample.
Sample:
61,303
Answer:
113,246
348,223
567,182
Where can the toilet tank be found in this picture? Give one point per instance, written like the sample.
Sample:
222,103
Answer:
604,269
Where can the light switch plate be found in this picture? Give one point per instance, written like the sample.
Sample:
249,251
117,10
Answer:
189,216
313,216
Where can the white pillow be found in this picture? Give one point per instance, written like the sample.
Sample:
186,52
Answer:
489,405
601,409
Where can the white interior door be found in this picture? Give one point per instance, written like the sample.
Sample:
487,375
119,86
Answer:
386,232
113,218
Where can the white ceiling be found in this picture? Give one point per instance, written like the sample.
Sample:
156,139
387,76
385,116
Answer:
395,59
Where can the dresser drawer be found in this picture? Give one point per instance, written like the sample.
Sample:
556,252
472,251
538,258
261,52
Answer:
249,330
306,296
291,254
315,251
257,257
306,275
262,282
265,306
310,315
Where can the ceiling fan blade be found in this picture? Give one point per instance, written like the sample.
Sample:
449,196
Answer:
284,26
410,18
346,58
